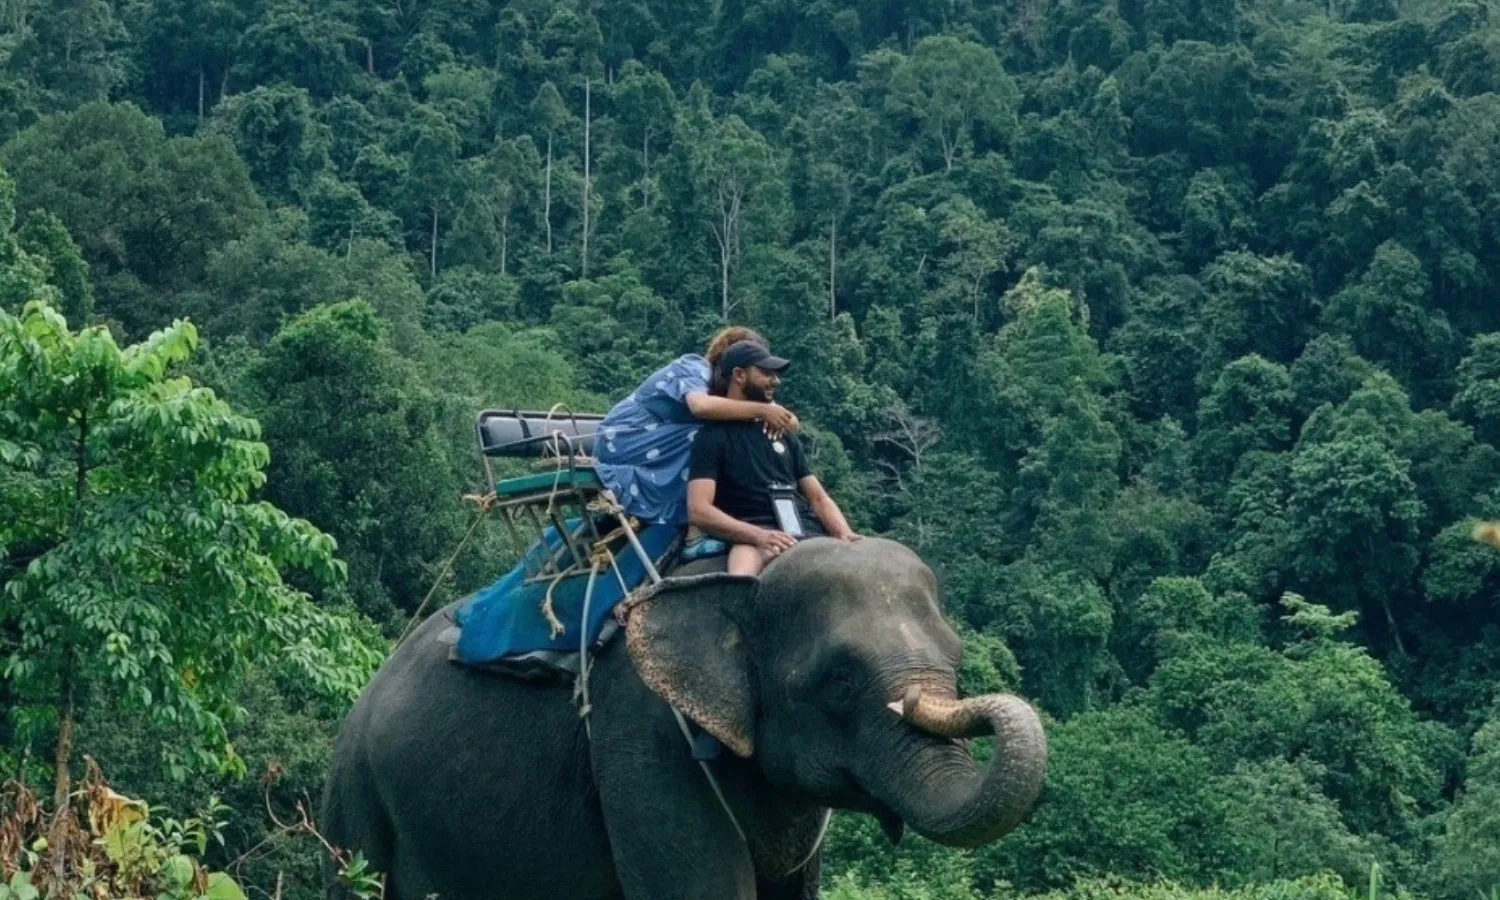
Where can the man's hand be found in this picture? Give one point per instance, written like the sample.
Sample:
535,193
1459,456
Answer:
774,543
778,420
847,534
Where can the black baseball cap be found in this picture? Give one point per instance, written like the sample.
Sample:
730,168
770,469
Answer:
745,354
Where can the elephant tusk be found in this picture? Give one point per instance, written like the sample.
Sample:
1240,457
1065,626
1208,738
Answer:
907,704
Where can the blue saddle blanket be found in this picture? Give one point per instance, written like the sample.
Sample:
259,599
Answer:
506,620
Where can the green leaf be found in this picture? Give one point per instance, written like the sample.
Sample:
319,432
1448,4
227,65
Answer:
222,887
21,887
178,871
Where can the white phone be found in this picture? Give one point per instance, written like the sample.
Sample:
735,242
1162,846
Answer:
786,515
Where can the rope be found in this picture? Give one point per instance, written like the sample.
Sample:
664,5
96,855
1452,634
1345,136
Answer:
553,622
712,781
586,707
486,504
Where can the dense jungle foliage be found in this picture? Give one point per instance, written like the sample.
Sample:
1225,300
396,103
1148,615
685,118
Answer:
1167,330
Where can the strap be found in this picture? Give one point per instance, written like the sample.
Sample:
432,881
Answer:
709,774
817,843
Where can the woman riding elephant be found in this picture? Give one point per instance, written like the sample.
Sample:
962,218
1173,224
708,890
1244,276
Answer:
832,678
645,440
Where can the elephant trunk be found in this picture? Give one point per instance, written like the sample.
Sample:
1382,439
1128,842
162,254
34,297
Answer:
948,799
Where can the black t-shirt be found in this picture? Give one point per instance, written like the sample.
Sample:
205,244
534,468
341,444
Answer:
745,464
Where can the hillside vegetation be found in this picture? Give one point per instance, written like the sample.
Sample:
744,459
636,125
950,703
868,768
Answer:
1166,330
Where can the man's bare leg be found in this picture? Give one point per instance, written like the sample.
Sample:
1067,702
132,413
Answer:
746,559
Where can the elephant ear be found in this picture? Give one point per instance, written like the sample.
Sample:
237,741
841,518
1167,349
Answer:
687,647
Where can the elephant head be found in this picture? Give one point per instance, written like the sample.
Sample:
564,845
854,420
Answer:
836,672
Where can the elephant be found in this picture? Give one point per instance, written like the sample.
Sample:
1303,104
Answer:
830,682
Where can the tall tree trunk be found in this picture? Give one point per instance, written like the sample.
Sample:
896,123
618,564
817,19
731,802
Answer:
62,787
547,195
434,240
504,240
833,261
202,90
369,56
587,115
725,248
646,169
62,756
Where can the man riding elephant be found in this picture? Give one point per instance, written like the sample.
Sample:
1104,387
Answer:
753,489
832,679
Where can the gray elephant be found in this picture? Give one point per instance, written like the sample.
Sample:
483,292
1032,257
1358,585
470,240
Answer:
831,680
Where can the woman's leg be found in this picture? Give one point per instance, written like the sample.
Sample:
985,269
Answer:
746,559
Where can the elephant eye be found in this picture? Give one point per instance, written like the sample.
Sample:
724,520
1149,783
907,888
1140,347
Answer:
839,688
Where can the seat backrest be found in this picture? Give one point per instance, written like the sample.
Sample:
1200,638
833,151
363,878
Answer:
514,433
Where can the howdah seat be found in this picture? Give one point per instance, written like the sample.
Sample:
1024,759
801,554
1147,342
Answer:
583,556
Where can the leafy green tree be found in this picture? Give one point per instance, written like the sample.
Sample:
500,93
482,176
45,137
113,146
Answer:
1320,703
1058,623
1071,479
1173,613
1041,361
735,174
1215,215
1477,399
1196,98
497,190
1124,795
956,92
356,449
146,209
20,271
550,114
1160,346
297,43
1385,312
1254,305
135,558
1355,516
433,183
185,49
339,216
1469,854
46,239
1328,371
974,248
620,330
646,108
73,52
258,282
274,130
1458,569
1248,408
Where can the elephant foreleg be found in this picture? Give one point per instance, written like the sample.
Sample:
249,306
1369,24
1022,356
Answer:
669,838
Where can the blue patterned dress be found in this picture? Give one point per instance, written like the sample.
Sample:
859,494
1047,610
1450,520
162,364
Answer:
645,441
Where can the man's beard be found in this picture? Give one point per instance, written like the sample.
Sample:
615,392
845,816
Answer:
756,394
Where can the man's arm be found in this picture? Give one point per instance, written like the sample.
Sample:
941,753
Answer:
828,512
717,522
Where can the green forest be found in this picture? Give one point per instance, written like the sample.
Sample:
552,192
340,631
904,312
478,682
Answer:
1165,330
